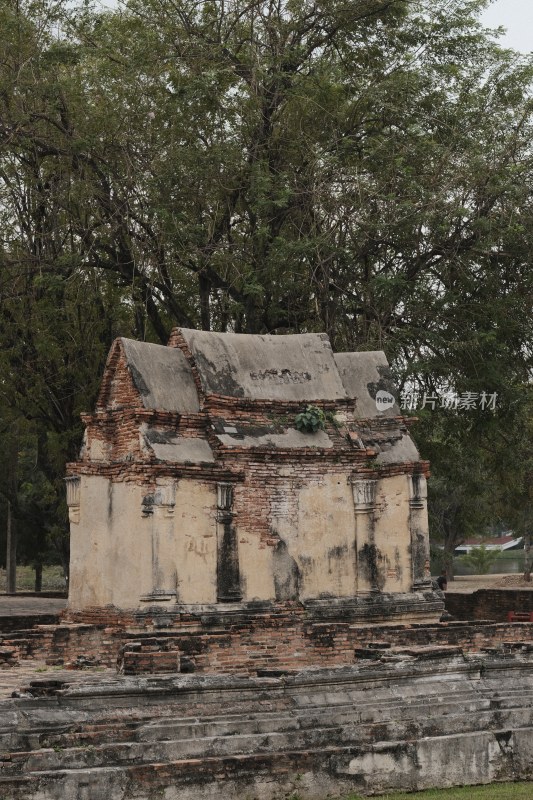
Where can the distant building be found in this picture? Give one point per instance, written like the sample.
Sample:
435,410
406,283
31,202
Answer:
508,542
195,489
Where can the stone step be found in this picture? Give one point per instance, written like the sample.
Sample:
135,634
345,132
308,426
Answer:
325,770
228,726
66,782
117,704
79,729
75,727
199,739
408,704
168,751
297,720
166,729
468,719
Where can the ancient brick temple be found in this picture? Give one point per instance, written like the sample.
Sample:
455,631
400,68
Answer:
195,490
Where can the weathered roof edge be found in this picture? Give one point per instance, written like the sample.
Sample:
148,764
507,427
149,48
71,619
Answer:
299,368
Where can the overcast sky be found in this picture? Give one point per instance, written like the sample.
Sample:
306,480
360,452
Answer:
517,17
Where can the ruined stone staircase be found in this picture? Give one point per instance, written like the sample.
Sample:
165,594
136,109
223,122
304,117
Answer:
395,721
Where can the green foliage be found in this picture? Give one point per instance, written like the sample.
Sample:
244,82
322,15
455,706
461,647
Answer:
479,559
311,420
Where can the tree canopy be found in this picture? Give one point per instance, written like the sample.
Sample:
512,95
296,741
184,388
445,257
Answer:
360,167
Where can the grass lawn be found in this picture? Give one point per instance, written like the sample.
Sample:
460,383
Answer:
493,791
53,580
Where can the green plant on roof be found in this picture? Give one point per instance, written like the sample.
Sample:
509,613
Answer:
311,420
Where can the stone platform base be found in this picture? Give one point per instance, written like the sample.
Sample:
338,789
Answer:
398,719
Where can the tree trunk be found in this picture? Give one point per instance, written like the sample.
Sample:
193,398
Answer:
527,556
205,310
12,507
38,576
448,562
11,552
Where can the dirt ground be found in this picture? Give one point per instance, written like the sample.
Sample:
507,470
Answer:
464,584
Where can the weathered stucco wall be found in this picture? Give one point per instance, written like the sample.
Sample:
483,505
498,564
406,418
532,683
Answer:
392,534
121,554
110,558
299,539
195,548
300,542
326,536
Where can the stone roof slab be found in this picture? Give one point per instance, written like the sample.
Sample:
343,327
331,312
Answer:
162,377
296,367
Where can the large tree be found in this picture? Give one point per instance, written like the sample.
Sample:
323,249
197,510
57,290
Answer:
358,167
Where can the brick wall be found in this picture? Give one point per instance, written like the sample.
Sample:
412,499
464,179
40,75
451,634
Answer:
493,604
279,640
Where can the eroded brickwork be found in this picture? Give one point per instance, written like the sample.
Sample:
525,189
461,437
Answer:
282,640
